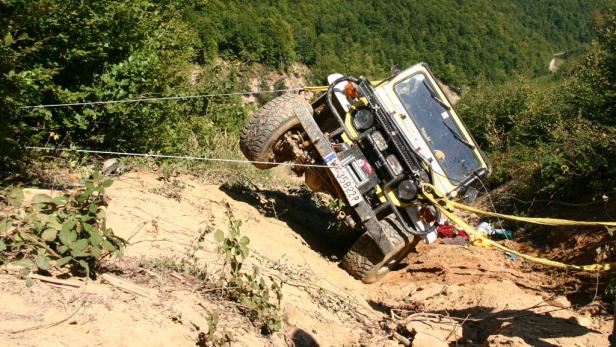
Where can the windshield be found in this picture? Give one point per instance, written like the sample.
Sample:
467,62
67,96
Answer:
433,119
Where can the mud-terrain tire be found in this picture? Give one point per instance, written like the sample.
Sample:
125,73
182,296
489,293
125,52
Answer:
365,260
268,125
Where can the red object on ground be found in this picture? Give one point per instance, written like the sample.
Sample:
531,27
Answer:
449,231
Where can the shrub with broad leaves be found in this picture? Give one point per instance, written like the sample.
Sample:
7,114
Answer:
57,233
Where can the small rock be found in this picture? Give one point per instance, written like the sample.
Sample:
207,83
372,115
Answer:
439,331
109,166
425,340
427,292
560,301
591,309
279,340
584,321
500,340
391,343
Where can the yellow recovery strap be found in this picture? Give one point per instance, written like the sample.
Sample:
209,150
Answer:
447,207
325,88
316,88
542,221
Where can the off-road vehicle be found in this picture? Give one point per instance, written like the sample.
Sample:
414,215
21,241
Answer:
372,145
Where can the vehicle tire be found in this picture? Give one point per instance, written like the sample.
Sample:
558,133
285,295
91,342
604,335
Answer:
365,260
268,125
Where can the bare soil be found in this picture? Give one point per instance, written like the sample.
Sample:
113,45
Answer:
444,294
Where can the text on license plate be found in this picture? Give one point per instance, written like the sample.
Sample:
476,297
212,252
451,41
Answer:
347,184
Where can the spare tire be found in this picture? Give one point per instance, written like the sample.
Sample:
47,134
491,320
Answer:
365,260
268,125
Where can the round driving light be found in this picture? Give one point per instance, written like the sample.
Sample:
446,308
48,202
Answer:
407,191
363,119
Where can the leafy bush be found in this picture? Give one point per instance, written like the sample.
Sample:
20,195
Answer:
73,51
56,232
249,289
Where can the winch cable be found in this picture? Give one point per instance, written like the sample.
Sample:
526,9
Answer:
447,207
175,98
172,156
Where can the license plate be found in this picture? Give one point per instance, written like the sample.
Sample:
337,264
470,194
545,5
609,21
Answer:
344,179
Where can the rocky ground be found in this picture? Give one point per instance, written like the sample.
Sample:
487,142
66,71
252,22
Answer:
163,291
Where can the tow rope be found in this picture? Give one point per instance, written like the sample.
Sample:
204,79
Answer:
316,88
541,221
447,207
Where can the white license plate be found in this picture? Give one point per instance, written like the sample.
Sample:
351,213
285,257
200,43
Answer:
346,183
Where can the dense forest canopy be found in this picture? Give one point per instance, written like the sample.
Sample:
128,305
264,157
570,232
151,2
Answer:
460,39
554,135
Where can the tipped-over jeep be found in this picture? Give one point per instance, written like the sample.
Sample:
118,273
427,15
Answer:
372,145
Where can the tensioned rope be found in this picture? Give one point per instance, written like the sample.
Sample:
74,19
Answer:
170,156
169,98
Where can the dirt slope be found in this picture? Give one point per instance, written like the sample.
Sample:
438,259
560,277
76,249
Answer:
444,293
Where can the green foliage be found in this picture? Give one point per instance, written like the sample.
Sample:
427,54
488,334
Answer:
459,39
340,210
595,91
553,136
211,338
55,232
75,51
234,248
212,324
248,289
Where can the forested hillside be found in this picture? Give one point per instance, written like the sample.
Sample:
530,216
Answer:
553,136
460,39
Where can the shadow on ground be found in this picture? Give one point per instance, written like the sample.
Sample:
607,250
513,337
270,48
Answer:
530,326
480,323
299,210
301,338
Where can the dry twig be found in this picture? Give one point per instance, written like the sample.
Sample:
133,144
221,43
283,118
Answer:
456,325
56,281
50,325
403,340
129,287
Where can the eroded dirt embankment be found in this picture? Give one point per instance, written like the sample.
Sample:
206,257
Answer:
442,294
